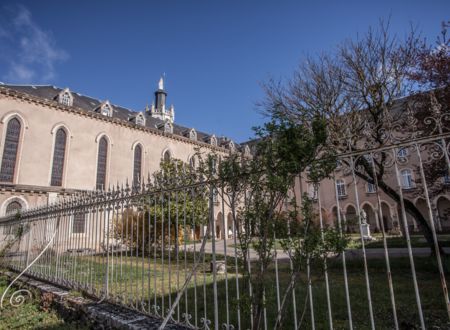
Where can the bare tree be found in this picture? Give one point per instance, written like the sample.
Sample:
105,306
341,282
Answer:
360,90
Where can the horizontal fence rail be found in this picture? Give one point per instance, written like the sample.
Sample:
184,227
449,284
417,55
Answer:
182,251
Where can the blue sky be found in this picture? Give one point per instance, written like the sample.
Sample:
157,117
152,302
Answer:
215,54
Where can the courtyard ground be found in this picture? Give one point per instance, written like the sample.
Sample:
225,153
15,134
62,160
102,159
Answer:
145,282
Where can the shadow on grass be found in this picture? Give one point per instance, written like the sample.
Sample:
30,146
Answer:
199,300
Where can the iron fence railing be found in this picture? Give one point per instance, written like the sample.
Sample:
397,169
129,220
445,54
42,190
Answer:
176,253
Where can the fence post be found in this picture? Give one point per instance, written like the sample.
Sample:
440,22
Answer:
29,243
106,284
214,265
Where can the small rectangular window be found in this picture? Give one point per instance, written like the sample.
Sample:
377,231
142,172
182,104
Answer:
371,188
340,186
407,180
79,223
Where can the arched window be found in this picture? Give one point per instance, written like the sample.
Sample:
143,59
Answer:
407,180
167,156
137,166
10,149
402,153
13,208
101,163
59,154
340,186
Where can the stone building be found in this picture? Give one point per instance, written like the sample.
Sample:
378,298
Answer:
55,142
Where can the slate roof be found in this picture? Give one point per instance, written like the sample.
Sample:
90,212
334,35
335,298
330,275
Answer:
87,103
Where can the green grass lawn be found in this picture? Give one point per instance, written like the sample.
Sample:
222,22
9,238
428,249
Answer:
141,282
30,315
397,242
392,242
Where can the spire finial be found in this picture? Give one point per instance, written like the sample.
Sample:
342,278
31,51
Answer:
161,83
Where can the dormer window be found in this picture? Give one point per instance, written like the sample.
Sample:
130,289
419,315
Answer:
231,146
246,151
213,141
105,109
193,134
168,128
65,98
139,119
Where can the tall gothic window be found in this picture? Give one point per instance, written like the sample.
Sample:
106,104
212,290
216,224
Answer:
167,156
58,157
137,167
101,163
10,150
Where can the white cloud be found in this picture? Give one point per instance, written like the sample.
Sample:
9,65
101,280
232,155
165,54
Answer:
19,73
29,52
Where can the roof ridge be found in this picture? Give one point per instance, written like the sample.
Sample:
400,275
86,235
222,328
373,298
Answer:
26,85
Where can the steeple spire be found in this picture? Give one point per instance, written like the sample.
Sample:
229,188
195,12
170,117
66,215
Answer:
161,83
159,110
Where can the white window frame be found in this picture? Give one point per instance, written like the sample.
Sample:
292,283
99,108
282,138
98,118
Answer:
213,141
407,183
193,135
65,98
340,187
371,188
140,120
106,109
168,128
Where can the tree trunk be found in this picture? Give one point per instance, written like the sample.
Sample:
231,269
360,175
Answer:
412,210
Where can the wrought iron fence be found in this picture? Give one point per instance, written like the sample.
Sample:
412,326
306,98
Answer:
171,250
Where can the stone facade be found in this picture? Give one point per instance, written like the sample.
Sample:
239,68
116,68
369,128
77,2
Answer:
43,110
